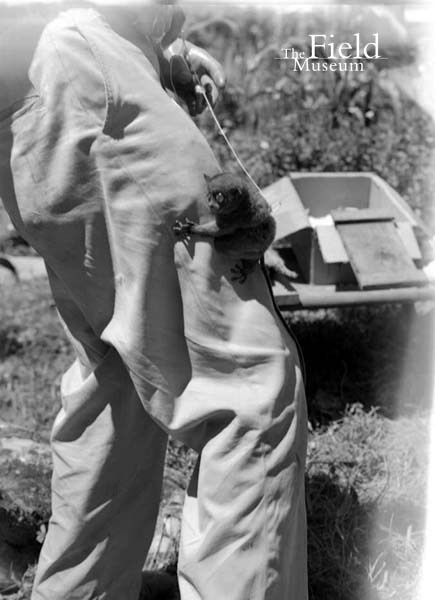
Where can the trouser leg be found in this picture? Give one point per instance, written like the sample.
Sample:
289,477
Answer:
244,526
244,523
108,458
111,172
108,453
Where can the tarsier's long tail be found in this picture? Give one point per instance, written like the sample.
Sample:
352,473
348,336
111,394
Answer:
5,262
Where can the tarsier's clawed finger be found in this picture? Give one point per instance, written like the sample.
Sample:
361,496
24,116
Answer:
183,229
240,273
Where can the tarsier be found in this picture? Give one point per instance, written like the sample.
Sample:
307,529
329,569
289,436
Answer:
243,227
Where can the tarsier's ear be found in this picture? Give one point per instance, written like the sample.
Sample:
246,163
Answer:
207,178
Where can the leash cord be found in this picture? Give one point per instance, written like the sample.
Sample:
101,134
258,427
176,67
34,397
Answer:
220,129
224,135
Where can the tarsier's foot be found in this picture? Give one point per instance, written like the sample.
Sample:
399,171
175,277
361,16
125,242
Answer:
183,230
241,271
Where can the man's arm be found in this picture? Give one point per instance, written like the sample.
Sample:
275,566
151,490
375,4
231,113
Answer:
22,27
179,60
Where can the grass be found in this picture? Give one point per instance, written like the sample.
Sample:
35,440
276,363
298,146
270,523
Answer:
366,471
365,500
33,353
377,356
369,371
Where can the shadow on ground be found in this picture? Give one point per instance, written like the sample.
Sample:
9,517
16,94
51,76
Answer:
376,356
338,541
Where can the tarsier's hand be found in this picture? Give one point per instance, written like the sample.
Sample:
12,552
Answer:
183,230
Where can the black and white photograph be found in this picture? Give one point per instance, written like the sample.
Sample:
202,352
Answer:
217,300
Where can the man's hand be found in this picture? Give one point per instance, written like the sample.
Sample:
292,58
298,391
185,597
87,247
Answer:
186,68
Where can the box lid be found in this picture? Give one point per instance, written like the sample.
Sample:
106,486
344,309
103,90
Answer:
287,208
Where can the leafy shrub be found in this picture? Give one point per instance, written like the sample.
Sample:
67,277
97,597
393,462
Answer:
280,120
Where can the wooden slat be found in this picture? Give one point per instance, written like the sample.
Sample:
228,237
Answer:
331,245
378,256
361,215
406,234
287,208
327,296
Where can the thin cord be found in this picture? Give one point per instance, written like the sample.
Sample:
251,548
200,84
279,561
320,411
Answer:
223,134
218,125
276,204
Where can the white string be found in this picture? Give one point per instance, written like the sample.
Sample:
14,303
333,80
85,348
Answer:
275,204
220,129
223,134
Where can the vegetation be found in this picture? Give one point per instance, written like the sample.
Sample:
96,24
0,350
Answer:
366,472
280,120
369,370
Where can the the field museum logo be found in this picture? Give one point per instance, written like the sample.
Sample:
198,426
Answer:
325,54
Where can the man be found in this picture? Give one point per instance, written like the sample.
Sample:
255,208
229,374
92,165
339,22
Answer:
97,162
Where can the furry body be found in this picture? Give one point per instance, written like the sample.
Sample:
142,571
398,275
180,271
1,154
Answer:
243,227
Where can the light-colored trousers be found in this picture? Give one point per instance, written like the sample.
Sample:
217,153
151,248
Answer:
96,164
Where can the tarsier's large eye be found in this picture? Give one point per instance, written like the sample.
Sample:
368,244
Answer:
219,197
